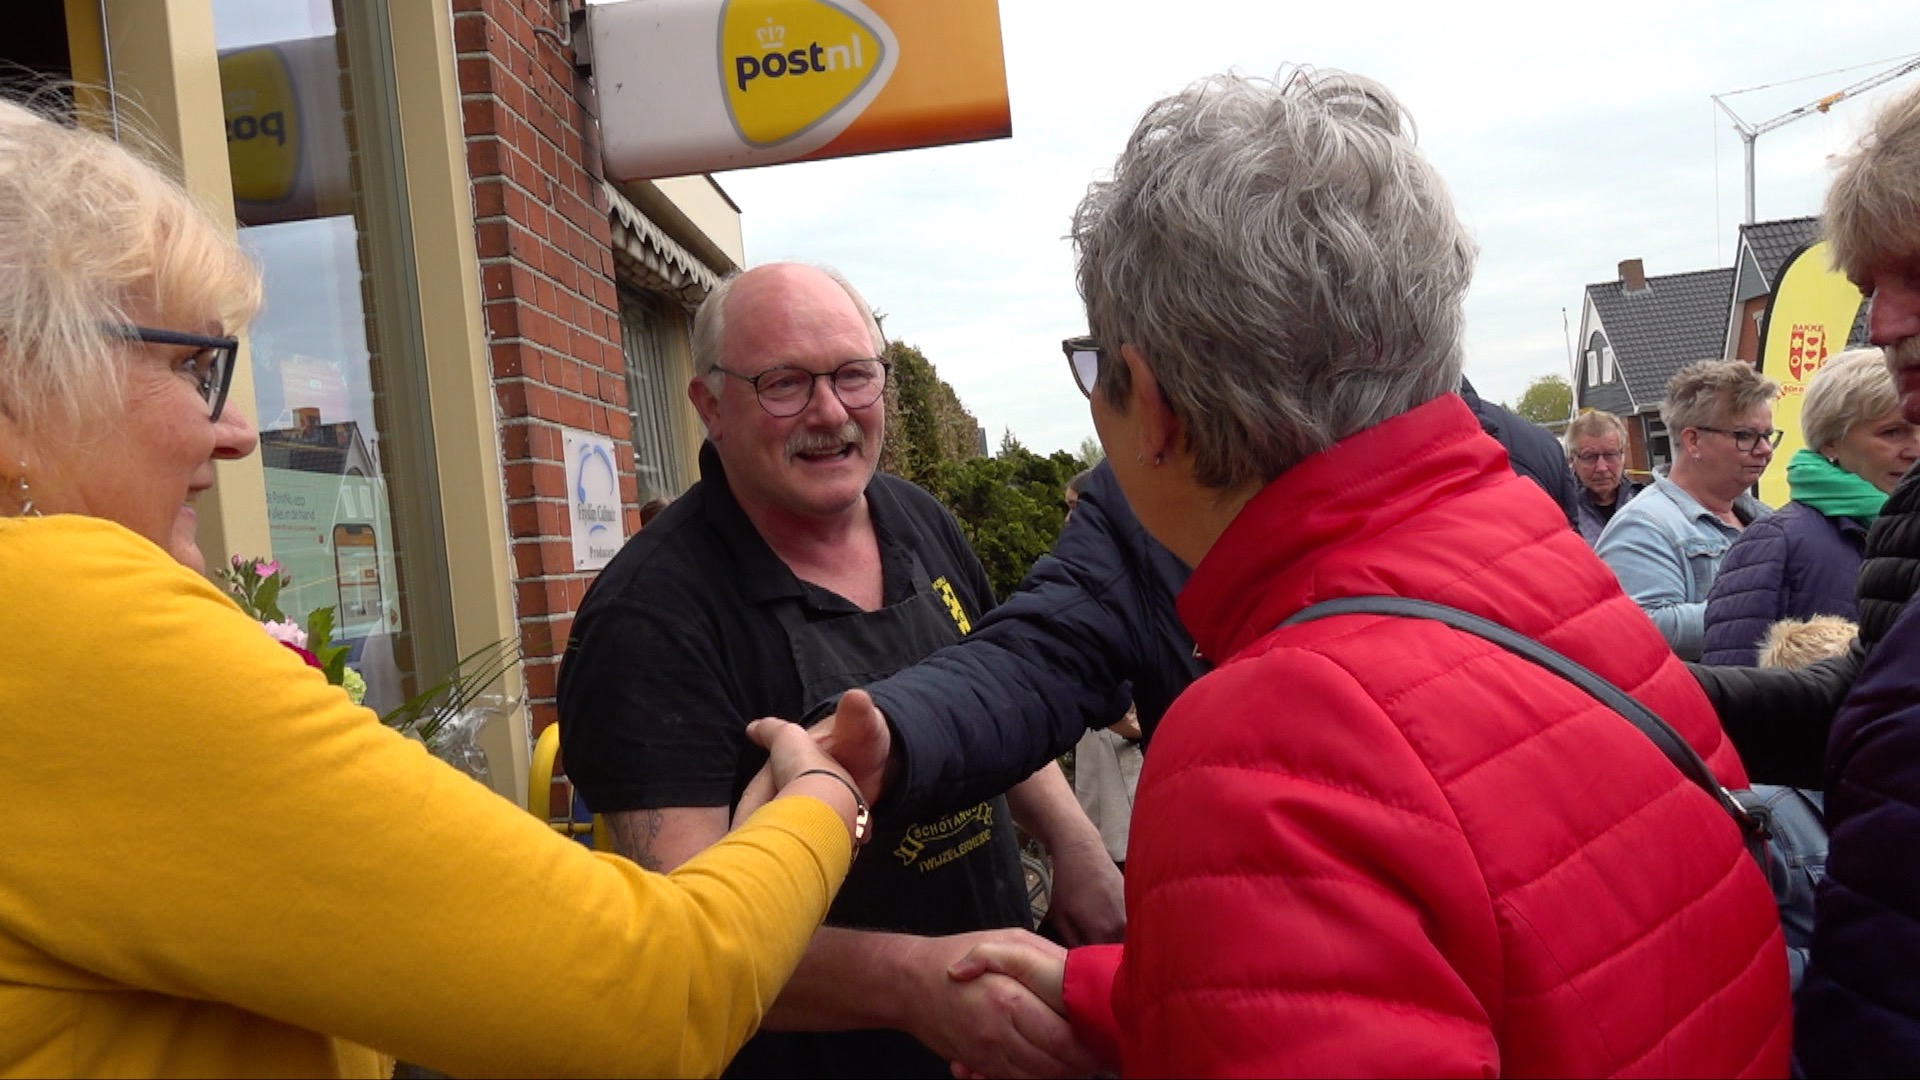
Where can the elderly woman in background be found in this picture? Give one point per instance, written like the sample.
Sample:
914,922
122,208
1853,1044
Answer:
214,864
1804,559
1666,545
1371,845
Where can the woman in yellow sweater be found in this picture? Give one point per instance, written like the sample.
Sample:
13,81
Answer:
211,863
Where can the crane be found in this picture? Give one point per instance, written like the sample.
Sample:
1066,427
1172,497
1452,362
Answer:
1750,132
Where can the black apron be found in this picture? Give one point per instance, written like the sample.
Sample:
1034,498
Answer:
946,875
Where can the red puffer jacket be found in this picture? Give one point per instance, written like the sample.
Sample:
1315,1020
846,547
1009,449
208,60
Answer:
1380,846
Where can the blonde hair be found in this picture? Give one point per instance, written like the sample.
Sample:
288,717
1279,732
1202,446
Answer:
1708,392
1870,207
90,232
1852,388
1594,424
1798,643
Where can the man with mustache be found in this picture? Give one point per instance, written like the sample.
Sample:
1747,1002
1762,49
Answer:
1858,1014
791,572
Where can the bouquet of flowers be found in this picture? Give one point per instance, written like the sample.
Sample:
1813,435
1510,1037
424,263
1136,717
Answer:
255,585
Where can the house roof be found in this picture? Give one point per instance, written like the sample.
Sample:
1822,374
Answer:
1772,241
332,449
1676,320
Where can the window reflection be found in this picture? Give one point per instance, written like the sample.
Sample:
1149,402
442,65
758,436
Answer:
324,420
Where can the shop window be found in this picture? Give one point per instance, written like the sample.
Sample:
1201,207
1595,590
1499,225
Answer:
338,368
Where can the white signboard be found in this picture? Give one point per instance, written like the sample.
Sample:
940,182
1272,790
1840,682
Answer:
593,499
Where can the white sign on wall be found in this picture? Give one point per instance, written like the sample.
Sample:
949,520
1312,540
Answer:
593,499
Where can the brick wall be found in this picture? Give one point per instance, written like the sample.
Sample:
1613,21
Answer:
547,280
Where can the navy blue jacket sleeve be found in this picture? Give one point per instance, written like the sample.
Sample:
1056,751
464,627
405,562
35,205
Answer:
1094,615
1748,594
1858,1014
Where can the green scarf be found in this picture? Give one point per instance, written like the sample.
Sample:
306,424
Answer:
1830,489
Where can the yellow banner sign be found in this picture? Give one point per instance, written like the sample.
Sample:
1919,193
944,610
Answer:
690,86
1807,320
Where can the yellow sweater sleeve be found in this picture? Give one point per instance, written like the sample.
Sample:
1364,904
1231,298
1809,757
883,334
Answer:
202,816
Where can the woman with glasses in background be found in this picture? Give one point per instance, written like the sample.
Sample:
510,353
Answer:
213,863
1804,559
1666,545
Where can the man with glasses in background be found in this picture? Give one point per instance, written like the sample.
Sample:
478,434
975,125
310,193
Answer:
1666,545
791,572
1597,451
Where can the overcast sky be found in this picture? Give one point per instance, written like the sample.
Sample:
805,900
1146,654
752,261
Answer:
1573,136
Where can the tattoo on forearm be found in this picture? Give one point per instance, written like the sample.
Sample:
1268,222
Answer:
634,836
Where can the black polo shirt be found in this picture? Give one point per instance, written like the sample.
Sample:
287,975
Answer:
680,644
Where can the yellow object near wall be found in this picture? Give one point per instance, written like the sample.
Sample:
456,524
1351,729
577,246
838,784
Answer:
1807,320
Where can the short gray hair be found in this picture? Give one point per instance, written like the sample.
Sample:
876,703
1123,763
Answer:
710,325
1290,265
1709,392
1852,388
1594,424
1870,206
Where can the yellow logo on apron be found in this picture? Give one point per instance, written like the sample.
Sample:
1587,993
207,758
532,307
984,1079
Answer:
944,589
789,65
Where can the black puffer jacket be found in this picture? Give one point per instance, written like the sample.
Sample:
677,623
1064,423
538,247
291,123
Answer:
1531,449
1890,576
1780,719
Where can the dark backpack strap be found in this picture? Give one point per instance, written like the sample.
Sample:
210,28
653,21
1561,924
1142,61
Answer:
1677,749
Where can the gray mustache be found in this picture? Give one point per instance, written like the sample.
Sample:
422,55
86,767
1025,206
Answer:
824,442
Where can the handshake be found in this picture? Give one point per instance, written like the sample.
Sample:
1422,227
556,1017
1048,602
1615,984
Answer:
989,1001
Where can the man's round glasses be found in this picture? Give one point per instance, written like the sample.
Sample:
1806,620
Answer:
787,391
213,362
1745,439
1083,356
1594,457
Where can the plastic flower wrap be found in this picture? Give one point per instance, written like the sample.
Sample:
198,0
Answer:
255,584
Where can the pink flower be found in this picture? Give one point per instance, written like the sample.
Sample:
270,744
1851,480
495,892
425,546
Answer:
312,660
286,633
266,569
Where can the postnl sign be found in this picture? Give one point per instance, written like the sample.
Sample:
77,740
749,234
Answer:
692,86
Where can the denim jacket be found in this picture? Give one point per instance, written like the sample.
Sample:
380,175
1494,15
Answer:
1666,548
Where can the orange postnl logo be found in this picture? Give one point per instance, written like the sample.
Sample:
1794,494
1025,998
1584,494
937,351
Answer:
1806,350
797,66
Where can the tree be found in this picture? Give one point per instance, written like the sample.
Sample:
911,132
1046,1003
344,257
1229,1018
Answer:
1547,400
1010,506
926,424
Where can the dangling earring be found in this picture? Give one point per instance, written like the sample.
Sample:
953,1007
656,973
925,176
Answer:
25,496
1833,461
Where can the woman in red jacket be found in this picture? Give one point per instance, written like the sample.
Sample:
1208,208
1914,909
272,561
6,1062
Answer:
1370,845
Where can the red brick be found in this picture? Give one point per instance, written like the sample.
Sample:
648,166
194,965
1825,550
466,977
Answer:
575,412
512,396
489,198
503,319
471,33
491,239
480,116
526,560
542,402
541,678
516,442
474,73
523,519
549,480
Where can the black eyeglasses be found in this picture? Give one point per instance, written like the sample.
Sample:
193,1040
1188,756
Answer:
1591,457
787,391
1083,356
214,359
1745,439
